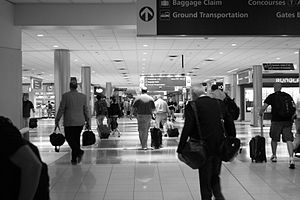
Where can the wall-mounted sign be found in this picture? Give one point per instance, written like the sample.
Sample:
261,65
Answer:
219,17
244,77
278,66
165,82
36,83
281,80
120,89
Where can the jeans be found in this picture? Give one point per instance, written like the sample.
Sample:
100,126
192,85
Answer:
72,134
143,128
210,180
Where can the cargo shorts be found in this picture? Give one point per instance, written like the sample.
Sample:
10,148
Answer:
283,128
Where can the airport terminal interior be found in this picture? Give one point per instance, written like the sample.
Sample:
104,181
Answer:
101,42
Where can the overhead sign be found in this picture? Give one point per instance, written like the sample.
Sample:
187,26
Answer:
278,66
220,17
165,82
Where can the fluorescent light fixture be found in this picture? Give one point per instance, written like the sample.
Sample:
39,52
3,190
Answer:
145,45
296,52
233,44
75,60
221,53
40,35
277,58
55,46
232,70
145,53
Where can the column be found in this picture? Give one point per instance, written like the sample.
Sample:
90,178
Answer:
257,94
10,66
108,90
86,85
61,74
299,66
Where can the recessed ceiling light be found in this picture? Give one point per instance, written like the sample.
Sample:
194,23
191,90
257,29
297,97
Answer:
233,44
145,53
75,60
196,68
277,58
55,46
221,52
118,60
122,68
145,45
296,52
209,59
173,56
40,35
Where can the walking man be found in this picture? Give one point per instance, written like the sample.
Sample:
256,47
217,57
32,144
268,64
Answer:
143,106
74,108
162,111
283,109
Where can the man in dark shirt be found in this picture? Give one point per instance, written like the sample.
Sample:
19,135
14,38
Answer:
27,107
209,116
144,106
172,107
279,125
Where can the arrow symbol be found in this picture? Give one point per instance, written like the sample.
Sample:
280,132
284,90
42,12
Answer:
146,14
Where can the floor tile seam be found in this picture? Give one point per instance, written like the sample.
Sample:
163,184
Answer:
105,191
159,178
272,188
244,188
78,189
283,176
64,171
180,167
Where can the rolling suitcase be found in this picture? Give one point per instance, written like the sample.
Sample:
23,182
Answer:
156,137
258,146
173,132
103,131
33,123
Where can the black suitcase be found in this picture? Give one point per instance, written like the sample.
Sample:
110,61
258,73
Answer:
173,132
156,137
258,147
88,138
103,131
33,123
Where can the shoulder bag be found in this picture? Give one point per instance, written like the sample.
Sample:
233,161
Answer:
57,139
194,151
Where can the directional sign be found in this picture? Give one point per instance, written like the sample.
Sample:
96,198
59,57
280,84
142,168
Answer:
146,17
146,14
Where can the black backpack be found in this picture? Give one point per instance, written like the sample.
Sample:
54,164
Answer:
284,105
231,106
42,191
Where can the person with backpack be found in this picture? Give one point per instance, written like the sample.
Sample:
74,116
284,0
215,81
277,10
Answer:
227,104
100,109
283,110
24,175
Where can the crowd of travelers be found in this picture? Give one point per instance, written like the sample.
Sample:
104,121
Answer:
27,176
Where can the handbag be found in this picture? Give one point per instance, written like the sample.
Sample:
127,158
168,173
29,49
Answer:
194,151
57,139
88,138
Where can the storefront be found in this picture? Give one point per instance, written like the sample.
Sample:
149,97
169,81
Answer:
290,85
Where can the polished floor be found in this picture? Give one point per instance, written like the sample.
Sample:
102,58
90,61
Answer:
114,169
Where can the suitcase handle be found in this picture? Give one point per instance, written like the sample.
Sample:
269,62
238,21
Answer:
262,125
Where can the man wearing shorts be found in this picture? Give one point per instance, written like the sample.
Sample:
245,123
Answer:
280,126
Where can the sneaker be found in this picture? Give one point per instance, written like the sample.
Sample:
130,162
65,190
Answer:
273,158
292,164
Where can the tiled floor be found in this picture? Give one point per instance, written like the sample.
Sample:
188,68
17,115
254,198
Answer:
114,169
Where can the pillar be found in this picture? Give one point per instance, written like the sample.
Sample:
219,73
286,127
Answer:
86,85
299,66
10,66
61,74
257,94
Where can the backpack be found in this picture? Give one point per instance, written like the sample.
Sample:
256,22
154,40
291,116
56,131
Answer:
42,191
284,104
231,106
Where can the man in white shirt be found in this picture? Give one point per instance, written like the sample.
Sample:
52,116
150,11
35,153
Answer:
162,111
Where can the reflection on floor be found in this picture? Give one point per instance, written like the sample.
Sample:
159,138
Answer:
114,169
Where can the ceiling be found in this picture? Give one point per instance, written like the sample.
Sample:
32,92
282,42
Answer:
117,55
